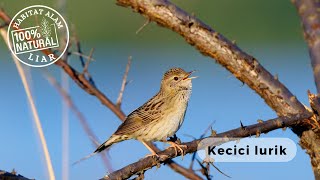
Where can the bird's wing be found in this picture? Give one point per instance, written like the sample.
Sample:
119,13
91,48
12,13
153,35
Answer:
144,115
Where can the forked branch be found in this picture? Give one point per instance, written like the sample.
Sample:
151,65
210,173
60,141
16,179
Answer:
245,67
310,18
252,130
211,43
91,89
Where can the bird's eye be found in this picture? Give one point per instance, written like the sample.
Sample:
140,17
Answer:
176,78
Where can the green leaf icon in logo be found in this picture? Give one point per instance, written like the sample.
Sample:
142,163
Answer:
45,28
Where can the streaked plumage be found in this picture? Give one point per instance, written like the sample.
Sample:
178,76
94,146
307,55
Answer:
161,116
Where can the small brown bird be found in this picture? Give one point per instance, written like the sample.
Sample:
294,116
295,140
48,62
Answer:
160,117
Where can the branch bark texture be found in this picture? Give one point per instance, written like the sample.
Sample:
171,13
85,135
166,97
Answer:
255,129
310,18
209,42
11,176
91,89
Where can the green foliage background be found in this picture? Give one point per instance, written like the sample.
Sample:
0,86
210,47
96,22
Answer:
246,21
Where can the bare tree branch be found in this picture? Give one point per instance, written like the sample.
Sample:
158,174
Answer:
78,78
91,89
263,127
246,68
210,43
188,173
310,141
310,18
243,66
33,109
12,176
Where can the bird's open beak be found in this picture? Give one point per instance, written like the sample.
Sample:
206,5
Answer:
188,75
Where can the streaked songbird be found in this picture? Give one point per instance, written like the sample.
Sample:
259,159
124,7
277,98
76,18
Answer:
160,117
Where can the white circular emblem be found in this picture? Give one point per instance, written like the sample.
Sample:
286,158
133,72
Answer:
35,29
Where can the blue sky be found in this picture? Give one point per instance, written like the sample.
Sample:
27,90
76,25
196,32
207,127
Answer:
217,96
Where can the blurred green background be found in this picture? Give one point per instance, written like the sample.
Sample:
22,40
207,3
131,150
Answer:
246,21
268,30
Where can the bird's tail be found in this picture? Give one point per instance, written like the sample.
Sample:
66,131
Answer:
112,140
84,158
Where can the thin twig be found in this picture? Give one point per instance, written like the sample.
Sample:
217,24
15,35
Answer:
309,12
61,5
205,170
78,45
148,162
81,56
124,82
86,66
91,89
143,26
202,135
83,121
12,175
310,19
65,122
219,170
211,43
34,111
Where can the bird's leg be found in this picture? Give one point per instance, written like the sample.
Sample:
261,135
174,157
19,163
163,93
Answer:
176,144
153,153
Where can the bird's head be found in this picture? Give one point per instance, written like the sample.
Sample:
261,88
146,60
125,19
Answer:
176,79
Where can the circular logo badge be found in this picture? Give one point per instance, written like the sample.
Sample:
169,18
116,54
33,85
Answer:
35,30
